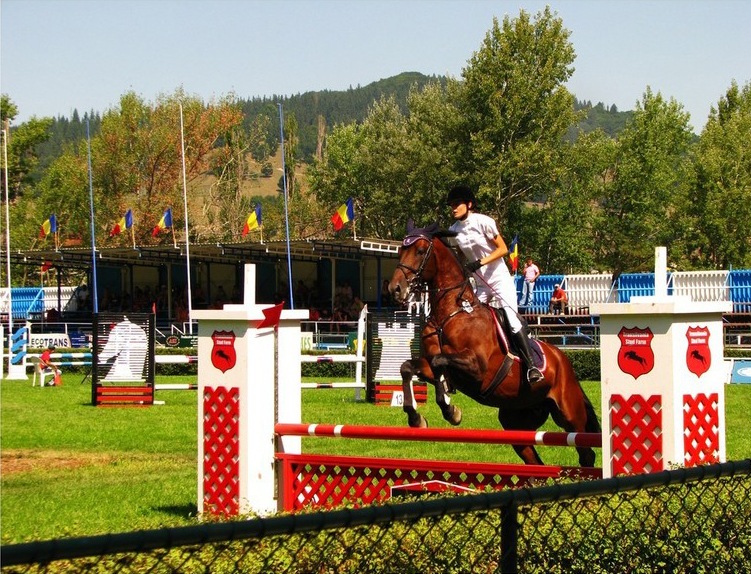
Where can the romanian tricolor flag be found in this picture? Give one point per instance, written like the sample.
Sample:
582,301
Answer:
49,226
254,220
126,222
164,223
344,214
513,254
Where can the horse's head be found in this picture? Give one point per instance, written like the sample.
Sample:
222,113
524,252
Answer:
417,264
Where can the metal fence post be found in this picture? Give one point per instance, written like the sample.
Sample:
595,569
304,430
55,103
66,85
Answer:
509,539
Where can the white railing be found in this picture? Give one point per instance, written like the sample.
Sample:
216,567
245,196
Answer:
701,285
584,290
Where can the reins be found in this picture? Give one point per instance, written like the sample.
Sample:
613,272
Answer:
440,292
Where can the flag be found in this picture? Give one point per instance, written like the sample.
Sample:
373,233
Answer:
126,222
164,223
46,266
343,215
271,316
49,226
253,221
513,253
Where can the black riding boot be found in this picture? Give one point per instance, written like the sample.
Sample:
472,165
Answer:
522,344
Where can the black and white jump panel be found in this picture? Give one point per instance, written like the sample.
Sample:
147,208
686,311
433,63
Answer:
393,337
123,358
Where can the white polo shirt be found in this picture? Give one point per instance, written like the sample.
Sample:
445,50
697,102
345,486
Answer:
475,235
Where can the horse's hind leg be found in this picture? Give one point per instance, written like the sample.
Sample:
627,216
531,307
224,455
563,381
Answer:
524,420
578,417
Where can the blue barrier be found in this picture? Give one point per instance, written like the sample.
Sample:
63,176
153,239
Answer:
27,301
739,281
635,285
18,345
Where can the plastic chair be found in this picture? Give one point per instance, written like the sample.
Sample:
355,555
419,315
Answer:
42,372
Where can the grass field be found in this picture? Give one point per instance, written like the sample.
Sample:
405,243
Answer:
70,469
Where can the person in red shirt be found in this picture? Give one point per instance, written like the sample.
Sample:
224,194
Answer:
558,301
45,362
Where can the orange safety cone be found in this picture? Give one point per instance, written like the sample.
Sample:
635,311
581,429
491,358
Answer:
58,379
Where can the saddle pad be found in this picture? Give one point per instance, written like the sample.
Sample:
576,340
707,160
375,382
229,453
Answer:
538,356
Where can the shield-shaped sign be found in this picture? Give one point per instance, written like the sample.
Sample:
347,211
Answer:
698,355
223,355
636,356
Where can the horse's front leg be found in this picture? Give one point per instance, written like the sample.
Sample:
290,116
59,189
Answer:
409,370
450,411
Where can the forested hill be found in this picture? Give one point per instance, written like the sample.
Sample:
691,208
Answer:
335,107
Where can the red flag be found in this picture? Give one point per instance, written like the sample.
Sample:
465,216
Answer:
272,315
46,266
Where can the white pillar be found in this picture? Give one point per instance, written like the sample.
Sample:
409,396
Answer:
662,376
237,402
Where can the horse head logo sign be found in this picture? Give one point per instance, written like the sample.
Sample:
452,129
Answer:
698,355
127,350
223,355
636,356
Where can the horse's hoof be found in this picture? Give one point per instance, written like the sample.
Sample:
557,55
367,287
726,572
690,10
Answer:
453,415
416,420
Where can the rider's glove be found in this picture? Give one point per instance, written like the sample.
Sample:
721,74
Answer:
473,266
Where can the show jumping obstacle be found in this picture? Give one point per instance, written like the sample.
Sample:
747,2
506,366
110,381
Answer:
663,392
244,450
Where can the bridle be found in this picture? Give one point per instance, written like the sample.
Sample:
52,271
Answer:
416,279
415,282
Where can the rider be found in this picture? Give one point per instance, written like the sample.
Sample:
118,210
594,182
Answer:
482,244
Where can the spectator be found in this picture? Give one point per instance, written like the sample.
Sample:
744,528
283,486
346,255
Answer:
558,301
531,273
45,362
356,308
53,316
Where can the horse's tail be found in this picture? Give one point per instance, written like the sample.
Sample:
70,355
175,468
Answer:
592,425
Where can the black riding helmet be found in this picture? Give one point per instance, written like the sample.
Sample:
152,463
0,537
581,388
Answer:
461,193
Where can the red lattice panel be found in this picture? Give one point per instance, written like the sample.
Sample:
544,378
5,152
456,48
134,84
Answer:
636,434
319,481
701,429
221,450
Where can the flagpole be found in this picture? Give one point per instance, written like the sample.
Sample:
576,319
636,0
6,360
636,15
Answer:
185,204
95,300
7,244
286,211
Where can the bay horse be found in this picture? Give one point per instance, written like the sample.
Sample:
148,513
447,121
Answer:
464,350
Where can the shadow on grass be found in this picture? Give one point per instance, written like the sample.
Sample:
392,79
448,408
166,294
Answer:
179,510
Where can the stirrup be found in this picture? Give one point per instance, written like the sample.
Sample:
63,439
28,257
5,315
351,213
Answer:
534,375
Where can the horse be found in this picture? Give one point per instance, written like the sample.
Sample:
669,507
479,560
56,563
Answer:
463,349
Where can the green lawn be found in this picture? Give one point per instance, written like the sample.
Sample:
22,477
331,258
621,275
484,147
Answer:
70,469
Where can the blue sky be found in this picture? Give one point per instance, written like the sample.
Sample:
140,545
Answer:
61,55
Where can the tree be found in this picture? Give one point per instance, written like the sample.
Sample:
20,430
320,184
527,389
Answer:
564,229
395,165
719,207
516,111
650,173
22,142
137,163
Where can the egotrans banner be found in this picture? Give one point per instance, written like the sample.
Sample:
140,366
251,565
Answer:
45,340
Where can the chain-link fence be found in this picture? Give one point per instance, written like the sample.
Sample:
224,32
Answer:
695,520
